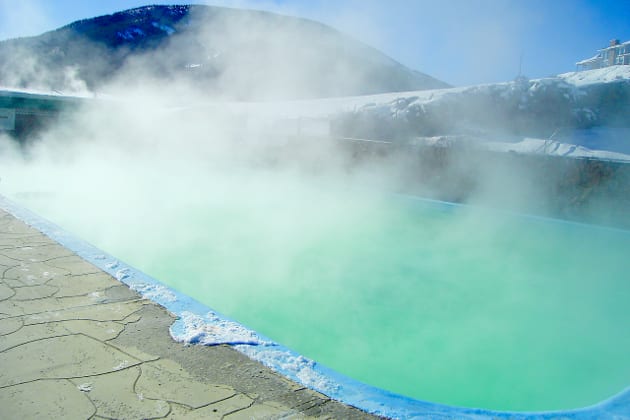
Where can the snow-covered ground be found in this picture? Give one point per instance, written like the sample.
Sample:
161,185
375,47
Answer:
605,75
555,148
603,142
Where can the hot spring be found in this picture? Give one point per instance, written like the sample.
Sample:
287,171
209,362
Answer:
449,304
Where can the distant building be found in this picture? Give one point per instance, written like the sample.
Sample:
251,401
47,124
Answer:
615,54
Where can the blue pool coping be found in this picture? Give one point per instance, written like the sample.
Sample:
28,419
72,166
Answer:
284,360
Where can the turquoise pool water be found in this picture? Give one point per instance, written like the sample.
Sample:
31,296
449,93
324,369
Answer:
453,305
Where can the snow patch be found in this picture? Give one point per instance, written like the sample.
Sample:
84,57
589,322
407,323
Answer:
113,265
212,330
123,274
86,387
154,292
293,365
130,33
169,30
122,365
555,148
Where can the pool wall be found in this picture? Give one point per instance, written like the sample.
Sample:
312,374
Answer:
592,190
199,324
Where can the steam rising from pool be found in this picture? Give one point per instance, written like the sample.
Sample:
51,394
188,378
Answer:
461,306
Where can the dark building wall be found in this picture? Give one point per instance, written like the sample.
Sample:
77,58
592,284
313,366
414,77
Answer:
33,112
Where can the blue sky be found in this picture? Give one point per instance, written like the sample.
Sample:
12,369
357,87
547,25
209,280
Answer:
459,41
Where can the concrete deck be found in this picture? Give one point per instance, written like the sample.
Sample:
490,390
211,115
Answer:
77,343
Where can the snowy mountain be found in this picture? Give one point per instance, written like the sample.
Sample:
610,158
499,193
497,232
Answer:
228,52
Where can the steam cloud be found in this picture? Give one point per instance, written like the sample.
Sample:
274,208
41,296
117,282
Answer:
259,177
153,146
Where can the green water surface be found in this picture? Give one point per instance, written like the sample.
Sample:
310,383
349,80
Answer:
456,306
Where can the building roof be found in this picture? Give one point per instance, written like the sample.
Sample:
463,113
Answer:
591,60
615,46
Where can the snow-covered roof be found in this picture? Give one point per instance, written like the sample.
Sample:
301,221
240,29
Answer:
615,46
25,92
593,59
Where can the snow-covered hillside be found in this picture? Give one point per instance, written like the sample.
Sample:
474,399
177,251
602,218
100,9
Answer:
582,114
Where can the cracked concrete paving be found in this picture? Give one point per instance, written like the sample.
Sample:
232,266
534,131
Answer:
76,343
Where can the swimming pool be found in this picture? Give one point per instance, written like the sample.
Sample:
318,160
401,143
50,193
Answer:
449,304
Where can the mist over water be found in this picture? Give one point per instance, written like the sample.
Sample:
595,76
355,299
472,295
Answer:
457,306
293,237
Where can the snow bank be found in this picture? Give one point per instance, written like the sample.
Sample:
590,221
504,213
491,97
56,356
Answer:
212,330
292,365
554,148
589,77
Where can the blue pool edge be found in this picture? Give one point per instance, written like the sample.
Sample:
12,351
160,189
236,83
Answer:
280,358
